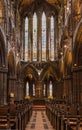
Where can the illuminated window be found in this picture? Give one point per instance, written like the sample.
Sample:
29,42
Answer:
33,89
38,40
26,39
51,46
43,37
50,89
27,89
44,90
34,37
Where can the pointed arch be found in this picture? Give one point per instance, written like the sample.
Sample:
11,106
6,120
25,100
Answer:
77,52
2,48
50,70
29,71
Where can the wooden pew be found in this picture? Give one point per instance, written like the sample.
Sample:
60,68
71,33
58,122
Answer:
64,116
15,116
4,118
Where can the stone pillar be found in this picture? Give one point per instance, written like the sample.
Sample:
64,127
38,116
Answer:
68,88
39,37
3,85
11,84
48,38
1,88
30,38
47,88
19,92
77,85
22,90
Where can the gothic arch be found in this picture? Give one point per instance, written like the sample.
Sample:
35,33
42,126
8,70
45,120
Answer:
38,5
2,48
29,71
50,70
3,66
77,50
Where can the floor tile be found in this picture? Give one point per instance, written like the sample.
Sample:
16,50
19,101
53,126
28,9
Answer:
39,121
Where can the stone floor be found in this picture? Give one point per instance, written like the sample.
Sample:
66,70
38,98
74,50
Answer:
39,121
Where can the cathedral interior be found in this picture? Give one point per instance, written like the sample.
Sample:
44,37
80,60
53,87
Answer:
41,63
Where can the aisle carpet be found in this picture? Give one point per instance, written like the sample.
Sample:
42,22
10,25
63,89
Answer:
39,121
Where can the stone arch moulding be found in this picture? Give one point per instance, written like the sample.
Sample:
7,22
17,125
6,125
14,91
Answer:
75,33
3,68
3,47
29,69
68,58
77,43
50,70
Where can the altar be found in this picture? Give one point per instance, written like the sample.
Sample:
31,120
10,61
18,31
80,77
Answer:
39,93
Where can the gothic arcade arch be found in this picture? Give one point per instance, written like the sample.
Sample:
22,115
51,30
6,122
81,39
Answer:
77,50
30,77
2,48
77,64
3,68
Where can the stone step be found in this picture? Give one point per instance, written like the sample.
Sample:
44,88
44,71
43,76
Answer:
39,107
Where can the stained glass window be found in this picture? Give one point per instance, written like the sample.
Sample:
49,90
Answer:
33,89
50,89
34,37
44,90
43,37
51,53
26,39
27,89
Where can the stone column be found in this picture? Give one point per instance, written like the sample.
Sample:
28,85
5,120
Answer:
48,38
3,85
77,84
19,92
39,37
47,85
68,88
11,84
1,88
22,90
5,88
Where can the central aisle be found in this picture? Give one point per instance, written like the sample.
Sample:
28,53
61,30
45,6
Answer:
39,121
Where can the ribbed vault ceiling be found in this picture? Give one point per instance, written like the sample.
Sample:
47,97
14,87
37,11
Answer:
25,4
30,1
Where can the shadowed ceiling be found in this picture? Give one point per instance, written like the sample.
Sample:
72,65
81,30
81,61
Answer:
53,2
25,4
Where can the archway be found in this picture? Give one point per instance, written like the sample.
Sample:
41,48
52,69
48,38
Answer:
11,73
77,66
3,68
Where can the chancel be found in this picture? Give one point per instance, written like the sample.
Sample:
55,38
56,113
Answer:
41,64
